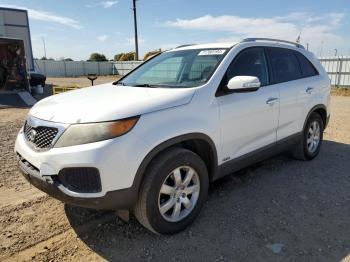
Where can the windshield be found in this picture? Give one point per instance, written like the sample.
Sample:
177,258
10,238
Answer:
181,69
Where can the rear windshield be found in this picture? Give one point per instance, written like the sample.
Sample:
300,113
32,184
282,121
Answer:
180,69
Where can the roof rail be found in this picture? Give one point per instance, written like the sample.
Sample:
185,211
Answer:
183,46
272,40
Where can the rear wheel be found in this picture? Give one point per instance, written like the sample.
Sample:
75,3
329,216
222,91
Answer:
311,141
173,191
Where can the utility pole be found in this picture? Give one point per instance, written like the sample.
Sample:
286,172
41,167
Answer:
44,47
135,28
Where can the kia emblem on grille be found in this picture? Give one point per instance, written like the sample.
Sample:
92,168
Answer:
32,135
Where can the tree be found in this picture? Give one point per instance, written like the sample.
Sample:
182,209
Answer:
127,56
65,59
152,53
45,58
96,57
118,56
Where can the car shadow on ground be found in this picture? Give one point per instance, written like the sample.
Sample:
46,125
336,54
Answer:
279,209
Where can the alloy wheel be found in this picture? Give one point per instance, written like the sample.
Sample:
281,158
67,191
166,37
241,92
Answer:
179,194
313,136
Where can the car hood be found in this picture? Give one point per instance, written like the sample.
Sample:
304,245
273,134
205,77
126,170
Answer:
108,102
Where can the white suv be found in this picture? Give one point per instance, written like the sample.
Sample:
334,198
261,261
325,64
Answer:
154,140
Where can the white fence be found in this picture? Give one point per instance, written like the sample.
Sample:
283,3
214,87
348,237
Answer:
338,68
122,68
81,68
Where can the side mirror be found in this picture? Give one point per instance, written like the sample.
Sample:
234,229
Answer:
243,84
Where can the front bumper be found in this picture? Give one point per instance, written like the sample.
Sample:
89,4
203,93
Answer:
116,159
113,200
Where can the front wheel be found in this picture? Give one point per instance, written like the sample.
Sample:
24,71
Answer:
312,137
173,191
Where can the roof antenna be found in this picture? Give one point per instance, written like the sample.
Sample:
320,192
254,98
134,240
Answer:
298,38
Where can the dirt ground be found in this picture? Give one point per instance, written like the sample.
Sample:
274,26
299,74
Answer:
278,210
79,81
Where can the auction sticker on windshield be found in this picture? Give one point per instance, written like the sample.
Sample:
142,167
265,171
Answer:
212,52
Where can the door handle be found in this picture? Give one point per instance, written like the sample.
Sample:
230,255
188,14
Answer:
309,90
271,100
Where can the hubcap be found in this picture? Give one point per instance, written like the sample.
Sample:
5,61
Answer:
179,194
313,136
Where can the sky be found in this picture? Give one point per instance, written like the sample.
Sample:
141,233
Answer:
75,29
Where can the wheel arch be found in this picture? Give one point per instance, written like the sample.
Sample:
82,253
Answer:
199,143
321,110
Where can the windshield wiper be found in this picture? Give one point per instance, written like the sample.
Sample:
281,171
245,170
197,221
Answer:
145,85
119,83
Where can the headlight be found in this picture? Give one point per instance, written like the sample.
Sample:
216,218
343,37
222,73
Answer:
78,134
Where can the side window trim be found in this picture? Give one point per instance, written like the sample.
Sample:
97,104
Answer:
271,75
267,67
221,90
300,68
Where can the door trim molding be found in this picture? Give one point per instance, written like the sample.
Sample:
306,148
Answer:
256,156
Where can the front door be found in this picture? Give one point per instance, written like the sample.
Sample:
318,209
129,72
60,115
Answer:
248,120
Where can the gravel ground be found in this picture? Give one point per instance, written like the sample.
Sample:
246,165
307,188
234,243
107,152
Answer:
278,210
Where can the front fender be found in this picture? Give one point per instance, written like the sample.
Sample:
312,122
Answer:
162,129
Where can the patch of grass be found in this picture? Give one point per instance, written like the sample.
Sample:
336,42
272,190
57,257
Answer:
340,91
61,89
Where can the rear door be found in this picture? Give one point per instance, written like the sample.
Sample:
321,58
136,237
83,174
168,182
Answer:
295,89
248,120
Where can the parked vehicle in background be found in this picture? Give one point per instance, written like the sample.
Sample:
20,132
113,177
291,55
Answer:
37,80
154,140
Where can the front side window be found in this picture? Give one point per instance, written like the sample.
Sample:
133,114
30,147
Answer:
285,65
250,62
178,69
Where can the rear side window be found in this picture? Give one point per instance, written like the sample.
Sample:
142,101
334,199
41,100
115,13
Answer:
306,66
285,65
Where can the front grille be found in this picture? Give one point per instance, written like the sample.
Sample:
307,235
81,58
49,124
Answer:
81,179
41,136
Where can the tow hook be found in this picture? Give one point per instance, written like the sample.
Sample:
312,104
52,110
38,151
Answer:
48,180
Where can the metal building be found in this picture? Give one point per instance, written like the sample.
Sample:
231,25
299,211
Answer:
14,23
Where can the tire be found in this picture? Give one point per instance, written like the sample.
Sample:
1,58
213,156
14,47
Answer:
303,150
161,172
